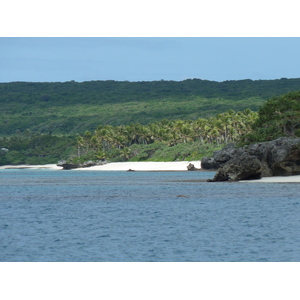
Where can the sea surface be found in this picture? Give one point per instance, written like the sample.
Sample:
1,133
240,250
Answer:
98,216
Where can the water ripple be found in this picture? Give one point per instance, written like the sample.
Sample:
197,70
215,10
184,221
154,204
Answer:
145,216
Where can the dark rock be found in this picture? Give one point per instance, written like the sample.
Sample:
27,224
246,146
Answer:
219,158
70,166
66,166
191,167
242,167
209,163
225,154
89,163
280,157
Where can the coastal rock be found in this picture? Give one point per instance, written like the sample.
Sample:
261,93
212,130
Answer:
71,166
192,167
280,157
209,163
226,153
242,167
219,158
66,166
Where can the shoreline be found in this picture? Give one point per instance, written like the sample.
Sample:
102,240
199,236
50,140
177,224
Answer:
118,166
275,179
21,167
174,166
143,166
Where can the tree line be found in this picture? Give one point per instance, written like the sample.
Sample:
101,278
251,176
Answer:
35,148
108,140
73,107
162,140
278,117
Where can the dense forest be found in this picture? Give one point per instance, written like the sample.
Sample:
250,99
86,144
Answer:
44,122
279,116
73,107
140,142
35,149
164,140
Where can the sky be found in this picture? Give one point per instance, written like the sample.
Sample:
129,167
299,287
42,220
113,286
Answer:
140,41
60,59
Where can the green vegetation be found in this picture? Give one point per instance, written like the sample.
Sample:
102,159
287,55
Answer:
138,121
279,116
35,149
162,152
72,107
165,140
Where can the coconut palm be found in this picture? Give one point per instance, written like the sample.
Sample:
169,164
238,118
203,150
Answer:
125,153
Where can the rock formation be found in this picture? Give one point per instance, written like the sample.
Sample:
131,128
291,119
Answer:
220,158
280,157
191,167
71,166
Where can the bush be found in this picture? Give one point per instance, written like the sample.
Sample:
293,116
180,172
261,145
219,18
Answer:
15,158
279,116
162,152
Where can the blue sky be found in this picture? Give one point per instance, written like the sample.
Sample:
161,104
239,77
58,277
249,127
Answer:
145,59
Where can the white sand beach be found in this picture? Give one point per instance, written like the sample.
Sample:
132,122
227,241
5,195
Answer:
144,166
281,179
149,166
120,166
49,166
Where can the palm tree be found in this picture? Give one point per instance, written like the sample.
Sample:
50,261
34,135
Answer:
80,143
125,153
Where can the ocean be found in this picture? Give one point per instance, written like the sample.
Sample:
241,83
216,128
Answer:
114,216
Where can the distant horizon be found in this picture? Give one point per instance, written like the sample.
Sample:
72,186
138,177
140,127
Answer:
21,81
136,59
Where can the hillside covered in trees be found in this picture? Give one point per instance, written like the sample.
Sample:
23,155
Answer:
46,122
72,107
164,140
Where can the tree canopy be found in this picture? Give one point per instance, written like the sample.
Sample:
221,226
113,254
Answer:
109,141
73,107
279,116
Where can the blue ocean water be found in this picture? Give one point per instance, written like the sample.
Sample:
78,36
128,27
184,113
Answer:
96,216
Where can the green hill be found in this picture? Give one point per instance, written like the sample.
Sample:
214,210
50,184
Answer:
72,107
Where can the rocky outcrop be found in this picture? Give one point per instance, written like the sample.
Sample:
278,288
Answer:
209,163
66,166
240,168
191,167
280,157
219,158
71,166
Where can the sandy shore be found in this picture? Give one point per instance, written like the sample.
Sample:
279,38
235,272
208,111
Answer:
120,166
149,166
144,166
50,166
276,179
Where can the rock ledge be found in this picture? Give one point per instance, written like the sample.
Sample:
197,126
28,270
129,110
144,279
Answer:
280,157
